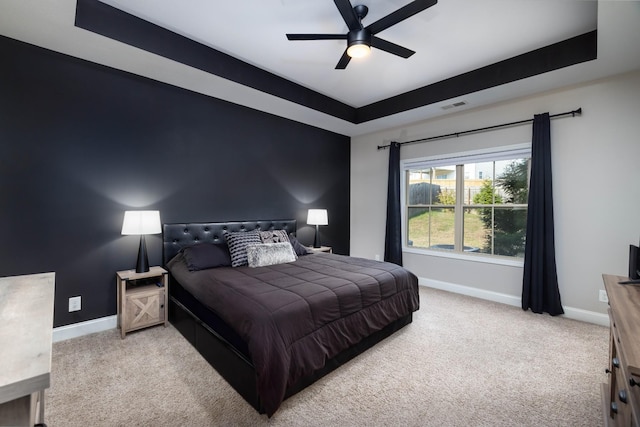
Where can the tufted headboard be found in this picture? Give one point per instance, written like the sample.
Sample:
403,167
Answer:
180,235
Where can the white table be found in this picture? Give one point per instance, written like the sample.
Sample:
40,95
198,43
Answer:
26,329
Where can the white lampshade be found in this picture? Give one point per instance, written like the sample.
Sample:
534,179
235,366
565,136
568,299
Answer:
317,217
141,222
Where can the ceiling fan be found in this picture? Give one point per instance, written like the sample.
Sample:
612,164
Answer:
360,39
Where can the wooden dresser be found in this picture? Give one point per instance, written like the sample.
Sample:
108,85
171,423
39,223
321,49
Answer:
26,331
621,396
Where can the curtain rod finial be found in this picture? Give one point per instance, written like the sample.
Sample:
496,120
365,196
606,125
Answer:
382,147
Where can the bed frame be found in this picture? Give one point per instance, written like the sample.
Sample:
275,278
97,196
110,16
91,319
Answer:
194,323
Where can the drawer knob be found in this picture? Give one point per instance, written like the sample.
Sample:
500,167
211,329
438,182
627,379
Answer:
615,362
614,407
622,395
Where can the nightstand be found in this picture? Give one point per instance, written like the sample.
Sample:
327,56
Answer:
142,299
327,249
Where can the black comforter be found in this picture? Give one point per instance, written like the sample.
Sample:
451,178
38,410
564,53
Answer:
295,316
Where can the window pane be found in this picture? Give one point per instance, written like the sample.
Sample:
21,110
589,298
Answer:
442,228
478,183
512,181
445,181
418,227
421,190
476,231
510,229
431,228
498,230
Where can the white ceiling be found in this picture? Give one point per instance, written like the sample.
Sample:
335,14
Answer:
449,38
452,37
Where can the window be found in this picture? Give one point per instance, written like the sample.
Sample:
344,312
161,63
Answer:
470,202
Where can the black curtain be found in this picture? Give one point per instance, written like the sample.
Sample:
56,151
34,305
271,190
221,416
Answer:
540,283
393,235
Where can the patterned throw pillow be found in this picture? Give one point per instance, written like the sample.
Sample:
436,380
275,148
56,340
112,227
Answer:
237,242
274,236
270,254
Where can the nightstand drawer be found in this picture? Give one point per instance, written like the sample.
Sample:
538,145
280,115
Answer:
144,307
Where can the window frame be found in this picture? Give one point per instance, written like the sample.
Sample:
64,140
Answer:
458,160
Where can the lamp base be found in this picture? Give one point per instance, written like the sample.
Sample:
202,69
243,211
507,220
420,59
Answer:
142,265
316,240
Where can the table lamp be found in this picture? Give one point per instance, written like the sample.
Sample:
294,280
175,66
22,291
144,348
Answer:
141,222
317,217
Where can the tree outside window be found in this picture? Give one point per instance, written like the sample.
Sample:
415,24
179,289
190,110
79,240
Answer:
505,218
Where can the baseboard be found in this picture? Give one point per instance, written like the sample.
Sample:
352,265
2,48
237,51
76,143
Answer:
98,325
84,328
569,312
586,316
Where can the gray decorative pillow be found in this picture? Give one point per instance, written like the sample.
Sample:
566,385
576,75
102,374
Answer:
237,242
274,236
269,254
298,248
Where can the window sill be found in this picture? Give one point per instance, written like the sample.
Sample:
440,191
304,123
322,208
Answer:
485,259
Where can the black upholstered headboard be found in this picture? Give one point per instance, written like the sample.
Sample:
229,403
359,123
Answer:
180,235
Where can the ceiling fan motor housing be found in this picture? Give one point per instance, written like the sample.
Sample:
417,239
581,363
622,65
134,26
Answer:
361,36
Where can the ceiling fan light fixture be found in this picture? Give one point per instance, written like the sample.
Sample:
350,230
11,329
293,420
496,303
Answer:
359,43
358,50
360,39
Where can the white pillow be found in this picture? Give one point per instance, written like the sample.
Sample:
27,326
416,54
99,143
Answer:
269,254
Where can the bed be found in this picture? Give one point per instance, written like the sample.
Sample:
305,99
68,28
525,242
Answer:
272,329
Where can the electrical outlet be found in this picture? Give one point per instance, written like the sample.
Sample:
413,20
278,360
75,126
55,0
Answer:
603,296
75,304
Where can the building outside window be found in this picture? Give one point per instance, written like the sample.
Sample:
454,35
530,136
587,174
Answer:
474,203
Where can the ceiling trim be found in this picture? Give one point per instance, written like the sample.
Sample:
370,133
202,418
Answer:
100,18
572,51
115,24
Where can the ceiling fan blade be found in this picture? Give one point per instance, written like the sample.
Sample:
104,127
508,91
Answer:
400,15
344,61
348,14
391,47
316,36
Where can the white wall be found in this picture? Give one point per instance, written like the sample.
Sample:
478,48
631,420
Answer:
596,184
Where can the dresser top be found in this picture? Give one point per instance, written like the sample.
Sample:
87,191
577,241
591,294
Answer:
26,329
624,301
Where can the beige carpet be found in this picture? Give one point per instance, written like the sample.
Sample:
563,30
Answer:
462,362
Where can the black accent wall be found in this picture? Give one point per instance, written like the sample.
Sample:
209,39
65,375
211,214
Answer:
81,143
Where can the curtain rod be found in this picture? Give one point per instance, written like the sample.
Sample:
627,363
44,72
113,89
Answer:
457,134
